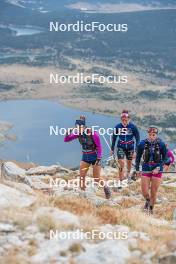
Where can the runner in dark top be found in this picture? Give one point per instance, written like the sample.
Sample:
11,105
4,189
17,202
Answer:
153,150
126,145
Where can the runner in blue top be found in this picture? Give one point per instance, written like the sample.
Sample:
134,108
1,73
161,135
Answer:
126,144
152,151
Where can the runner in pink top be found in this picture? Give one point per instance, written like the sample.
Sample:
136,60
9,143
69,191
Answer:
91,152
169,159
96,139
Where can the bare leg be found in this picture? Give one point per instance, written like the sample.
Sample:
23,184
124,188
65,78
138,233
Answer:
129,165
155,183
121,169
84,167
96,173
145,186
167,168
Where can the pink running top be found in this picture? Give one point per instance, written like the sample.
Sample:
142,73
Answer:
171,156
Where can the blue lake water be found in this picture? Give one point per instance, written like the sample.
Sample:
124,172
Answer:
32,120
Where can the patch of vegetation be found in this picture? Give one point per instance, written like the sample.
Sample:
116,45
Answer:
6,87
149,94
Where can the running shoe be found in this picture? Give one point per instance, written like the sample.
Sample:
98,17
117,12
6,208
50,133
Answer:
107,192
147,205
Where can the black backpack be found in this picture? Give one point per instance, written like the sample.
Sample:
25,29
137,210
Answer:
87,141
156,153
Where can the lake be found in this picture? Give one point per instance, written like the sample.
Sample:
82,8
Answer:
32,120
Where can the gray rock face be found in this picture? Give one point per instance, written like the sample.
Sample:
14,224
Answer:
168,259
11,197
10,171
109,251
37,182
43,170
20,186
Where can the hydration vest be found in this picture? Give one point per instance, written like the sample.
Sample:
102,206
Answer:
152,152
87,142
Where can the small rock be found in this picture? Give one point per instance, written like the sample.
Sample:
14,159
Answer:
136,253
37,182
168,259
139,235
6,228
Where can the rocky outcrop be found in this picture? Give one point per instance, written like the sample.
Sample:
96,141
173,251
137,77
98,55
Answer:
10,171
37,178
39,227
43,170
11,197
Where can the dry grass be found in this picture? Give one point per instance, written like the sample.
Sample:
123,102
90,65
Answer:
13,256
89,222
92,217
76,248
168,192
134,260
128,203
46,223
160,242
19,217
133,219
165,212
31,251
126,192
42,200
136,187
75,205
108,215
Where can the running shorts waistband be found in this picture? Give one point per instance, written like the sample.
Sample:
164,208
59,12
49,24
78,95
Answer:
150,175
126,142
90,152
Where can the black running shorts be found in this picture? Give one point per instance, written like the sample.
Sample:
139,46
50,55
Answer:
122,153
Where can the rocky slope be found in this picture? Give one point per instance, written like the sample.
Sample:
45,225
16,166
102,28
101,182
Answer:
42,221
